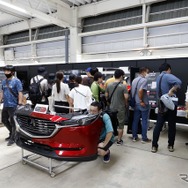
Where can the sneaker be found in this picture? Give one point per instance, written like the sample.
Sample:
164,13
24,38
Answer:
7,139
10,143
171,148
154,149
146,141
135,139
119,142
106,158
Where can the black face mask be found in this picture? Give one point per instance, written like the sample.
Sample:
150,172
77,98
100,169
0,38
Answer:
8,75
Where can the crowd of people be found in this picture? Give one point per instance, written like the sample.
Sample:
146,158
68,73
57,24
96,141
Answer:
91,94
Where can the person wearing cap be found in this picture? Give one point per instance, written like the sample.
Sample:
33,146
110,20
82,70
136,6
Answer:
43,84
118,95
12,96
88,80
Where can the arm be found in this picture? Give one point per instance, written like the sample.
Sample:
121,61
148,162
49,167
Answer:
71,104
108,127
108,138
126,96
141,91
140,96
94,90
174,81
20,96
106,94
173,90
19,89
1,96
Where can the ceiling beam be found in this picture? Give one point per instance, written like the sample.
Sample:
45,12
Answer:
46,18
74,2
38,14
14,14
103,7
21,26
61,3
81,1
88,1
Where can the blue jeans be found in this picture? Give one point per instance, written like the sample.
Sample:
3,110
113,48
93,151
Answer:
143,112
170,116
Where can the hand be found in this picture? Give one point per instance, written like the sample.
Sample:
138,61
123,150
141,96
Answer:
142,104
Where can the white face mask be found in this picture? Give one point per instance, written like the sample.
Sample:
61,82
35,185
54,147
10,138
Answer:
147,75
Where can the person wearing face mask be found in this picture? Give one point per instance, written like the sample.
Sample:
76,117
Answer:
106,136
12,96
141,109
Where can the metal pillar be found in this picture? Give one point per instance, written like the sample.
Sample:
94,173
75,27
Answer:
67,46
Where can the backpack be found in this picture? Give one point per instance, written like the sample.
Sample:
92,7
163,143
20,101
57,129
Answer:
114,120
35,95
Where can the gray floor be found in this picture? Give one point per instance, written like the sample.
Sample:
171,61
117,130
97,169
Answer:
131,165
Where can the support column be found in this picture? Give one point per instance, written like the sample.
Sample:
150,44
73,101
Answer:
75,40
2,59
67,46
145,31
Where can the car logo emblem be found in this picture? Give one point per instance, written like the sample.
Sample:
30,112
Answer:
31,122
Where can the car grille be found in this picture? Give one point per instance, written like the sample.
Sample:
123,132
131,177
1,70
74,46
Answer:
36,127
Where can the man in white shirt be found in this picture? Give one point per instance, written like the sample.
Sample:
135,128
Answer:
80,97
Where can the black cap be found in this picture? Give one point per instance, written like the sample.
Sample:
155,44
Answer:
9,68
42,71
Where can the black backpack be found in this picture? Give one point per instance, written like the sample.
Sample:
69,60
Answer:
35,94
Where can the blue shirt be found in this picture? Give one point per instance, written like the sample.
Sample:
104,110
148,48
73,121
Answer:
9,100
107,127
167,82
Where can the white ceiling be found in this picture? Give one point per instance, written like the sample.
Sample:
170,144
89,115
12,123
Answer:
10,16
18,15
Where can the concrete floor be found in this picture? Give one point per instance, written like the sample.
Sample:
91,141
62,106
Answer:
132,166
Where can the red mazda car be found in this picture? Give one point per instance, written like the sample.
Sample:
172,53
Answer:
69,137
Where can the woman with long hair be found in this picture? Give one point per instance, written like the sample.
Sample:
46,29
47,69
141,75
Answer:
60,93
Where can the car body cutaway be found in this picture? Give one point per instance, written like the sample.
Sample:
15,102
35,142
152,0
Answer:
70,137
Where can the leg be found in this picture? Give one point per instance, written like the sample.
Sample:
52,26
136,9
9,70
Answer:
11,112
105,153
144,113
5,119
101,152
157,129
171,126
136,118
121,121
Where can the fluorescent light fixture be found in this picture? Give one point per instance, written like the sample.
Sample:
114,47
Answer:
9,5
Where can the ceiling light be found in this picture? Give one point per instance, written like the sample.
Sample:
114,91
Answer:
9,5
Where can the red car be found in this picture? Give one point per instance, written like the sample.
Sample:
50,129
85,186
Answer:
69,137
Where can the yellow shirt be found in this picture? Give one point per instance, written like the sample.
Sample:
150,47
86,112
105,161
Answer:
110,80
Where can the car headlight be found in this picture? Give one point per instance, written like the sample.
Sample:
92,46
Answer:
79,120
